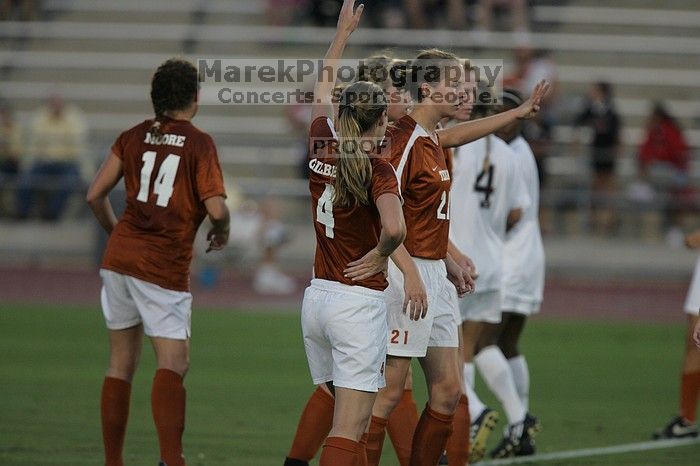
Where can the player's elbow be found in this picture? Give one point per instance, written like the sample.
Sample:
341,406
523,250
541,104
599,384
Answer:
514,217
395,230
217,210
93,197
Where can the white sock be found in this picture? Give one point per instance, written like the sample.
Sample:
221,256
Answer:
521,377
495,370
476,407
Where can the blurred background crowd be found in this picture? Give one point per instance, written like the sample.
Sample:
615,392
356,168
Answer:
615,141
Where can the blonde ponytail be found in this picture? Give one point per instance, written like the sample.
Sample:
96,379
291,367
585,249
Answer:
362,105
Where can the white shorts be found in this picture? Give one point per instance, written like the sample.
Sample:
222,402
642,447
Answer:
520,305
128,301
344,330
692,301
410,338
482,306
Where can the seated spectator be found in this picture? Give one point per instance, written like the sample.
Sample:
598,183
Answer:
56,150
664,162
10,153
600,115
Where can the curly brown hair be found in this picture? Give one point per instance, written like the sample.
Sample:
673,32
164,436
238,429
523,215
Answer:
173,87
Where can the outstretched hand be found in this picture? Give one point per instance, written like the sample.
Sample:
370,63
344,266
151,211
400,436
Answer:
531,106
349,17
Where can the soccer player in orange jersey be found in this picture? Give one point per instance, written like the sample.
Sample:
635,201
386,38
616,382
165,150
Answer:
358,221
317,417
685,424
428,330
173,181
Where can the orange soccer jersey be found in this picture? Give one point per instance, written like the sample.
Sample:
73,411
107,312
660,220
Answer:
167,180
343,234
423,168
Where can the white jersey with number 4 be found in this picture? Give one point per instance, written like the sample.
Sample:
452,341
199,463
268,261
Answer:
523,259
485,188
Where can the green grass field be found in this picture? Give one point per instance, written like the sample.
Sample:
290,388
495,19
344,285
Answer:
593,384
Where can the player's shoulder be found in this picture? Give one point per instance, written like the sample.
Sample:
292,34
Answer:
322,127
521,146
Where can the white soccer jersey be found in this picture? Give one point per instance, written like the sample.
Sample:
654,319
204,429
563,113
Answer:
483,192
523,259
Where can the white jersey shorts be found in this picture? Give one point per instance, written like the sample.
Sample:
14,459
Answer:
482,306
410,338
520,304
128,301
344,329
692,301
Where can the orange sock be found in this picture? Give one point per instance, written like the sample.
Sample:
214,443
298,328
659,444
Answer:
458,443
314,424
114,407
430,437
338,451
375,440
363,450
168,406
690,389
402,423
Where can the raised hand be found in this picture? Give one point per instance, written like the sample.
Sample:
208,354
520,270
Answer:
349,17
531,106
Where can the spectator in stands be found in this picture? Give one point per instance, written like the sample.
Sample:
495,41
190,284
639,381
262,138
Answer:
57,141
10,153
664,162
518,13
600,115
24,10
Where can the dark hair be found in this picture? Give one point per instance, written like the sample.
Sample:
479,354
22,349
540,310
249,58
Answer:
173,87
427,68
383,70
512,98
361,106
483,109
605,88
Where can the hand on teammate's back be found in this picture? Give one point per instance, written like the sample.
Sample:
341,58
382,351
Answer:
368,266
531,106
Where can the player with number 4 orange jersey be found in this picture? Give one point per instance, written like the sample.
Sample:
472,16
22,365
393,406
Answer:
173,181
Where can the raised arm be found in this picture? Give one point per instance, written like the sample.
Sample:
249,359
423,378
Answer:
468,131
323,90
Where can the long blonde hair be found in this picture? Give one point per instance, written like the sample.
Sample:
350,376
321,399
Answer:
361,107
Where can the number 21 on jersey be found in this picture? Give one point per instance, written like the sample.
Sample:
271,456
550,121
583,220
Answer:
324,210
163,185
443,212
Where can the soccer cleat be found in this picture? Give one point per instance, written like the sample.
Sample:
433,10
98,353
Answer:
443,459
517,435
481,429
678,427
162,463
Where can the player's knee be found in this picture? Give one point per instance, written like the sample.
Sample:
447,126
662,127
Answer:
509,349
176,363
444,395
386,400
123,364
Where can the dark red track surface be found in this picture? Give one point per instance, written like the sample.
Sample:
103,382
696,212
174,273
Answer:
622,300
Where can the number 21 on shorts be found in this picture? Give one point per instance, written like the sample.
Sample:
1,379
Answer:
396,335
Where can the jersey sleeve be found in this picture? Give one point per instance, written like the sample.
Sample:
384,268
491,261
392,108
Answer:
399,157
384,180
118,146
209,180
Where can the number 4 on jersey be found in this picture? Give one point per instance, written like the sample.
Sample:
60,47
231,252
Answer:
485,186
163,185
324,210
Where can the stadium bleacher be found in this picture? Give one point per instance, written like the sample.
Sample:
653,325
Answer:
100,56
